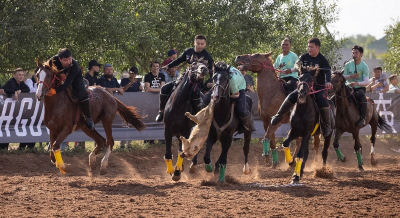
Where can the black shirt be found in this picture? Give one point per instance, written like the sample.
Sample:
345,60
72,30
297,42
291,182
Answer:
104,82
91,79
155,81
74,76
187,56
133,88
11,86
322,62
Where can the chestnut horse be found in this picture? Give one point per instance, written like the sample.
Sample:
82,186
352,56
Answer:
62,116
270,97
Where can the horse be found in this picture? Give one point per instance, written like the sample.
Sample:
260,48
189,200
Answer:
270,97
347,115
62,116
175,122
304,123
225,123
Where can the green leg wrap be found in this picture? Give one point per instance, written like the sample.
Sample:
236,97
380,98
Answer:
222,169
275,158
266,147
359,160
209,167
339,154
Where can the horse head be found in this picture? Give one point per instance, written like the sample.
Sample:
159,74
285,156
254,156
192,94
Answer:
46,76
338,80
255,62
304,87
197,70
221,81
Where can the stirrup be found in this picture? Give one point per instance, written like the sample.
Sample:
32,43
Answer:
89,123
361,122
160,117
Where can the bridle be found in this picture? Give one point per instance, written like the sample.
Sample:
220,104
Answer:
224,89
266,64
52,81
340,86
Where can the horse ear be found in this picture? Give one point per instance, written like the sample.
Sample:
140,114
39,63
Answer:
334,68
270,53
38,62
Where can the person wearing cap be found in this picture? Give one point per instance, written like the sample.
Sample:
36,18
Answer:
64,61
196,52
108,81
172,55
91,75
132,84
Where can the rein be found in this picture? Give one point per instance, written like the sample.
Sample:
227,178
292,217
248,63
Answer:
51,83
265,65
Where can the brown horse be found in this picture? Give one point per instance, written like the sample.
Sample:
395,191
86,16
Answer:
270,97
347,115
63,116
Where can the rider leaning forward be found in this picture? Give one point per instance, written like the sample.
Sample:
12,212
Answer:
68,66
312,59
198,51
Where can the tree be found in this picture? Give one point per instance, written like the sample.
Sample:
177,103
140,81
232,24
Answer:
391,59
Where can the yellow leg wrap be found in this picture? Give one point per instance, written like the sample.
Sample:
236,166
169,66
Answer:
297,169
179,163
170,169
59,162
315,128
288,157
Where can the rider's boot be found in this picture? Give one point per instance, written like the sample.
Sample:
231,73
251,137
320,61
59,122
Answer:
86,113
326,121
363,113
248,122
163,101
285,107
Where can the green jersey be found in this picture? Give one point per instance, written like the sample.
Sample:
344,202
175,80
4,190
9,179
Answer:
236,80
362,70
289,60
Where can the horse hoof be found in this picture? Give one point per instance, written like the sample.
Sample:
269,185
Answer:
192,169
360,168
177,176
246,169
221,180
209,167
295,180
374,162
103,171
343,159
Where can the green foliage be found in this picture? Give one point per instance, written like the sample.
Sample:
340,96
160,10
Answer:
130,32
391,59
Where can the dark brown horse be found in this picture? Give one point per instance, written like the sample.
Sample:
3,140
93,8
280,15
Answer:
270,97
347,115
63,116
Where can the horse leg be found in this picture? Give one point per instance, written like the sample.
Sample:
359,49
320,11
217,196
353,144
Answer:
327,142
339,154
296,150
226,144
100,142
357,149
207,156
179,163
107,125
192,168
299,162
57,152
305,141
269,140
53,138
374,126
286,148
246,149
317,140
168,152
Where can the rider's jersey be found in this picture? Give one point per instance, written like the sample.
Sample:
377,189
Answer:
74,76
322,62
236,80
289,60
187,56
362,71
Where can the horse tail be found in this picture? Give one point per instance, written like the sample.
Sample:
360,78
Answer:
130,115
383,125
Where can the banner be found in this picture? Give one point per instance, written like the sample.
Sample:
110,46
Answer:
22,120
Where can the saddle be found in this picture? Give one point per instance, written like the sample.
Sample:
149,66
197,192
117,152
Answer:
73,96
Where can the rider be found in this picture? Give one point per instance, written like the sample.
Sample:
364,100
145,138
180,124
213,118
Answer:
64,61
312,59
197,51
237,86
356,73
285,62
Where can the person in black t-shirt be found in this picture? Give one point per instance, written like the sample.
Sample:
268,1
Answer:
91,75
198,51
16,85
154,80
132,84
108,81
312,59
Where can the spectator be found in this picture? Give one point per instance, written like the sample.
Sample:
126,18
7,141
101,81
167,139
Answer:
171,74
91,75
154,80
172,55
285,62
31,83
132,84
378,83
249,81
16,85
108,80
393,87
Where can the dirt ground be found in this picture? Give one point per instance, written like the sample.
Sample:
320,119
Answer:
137,186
